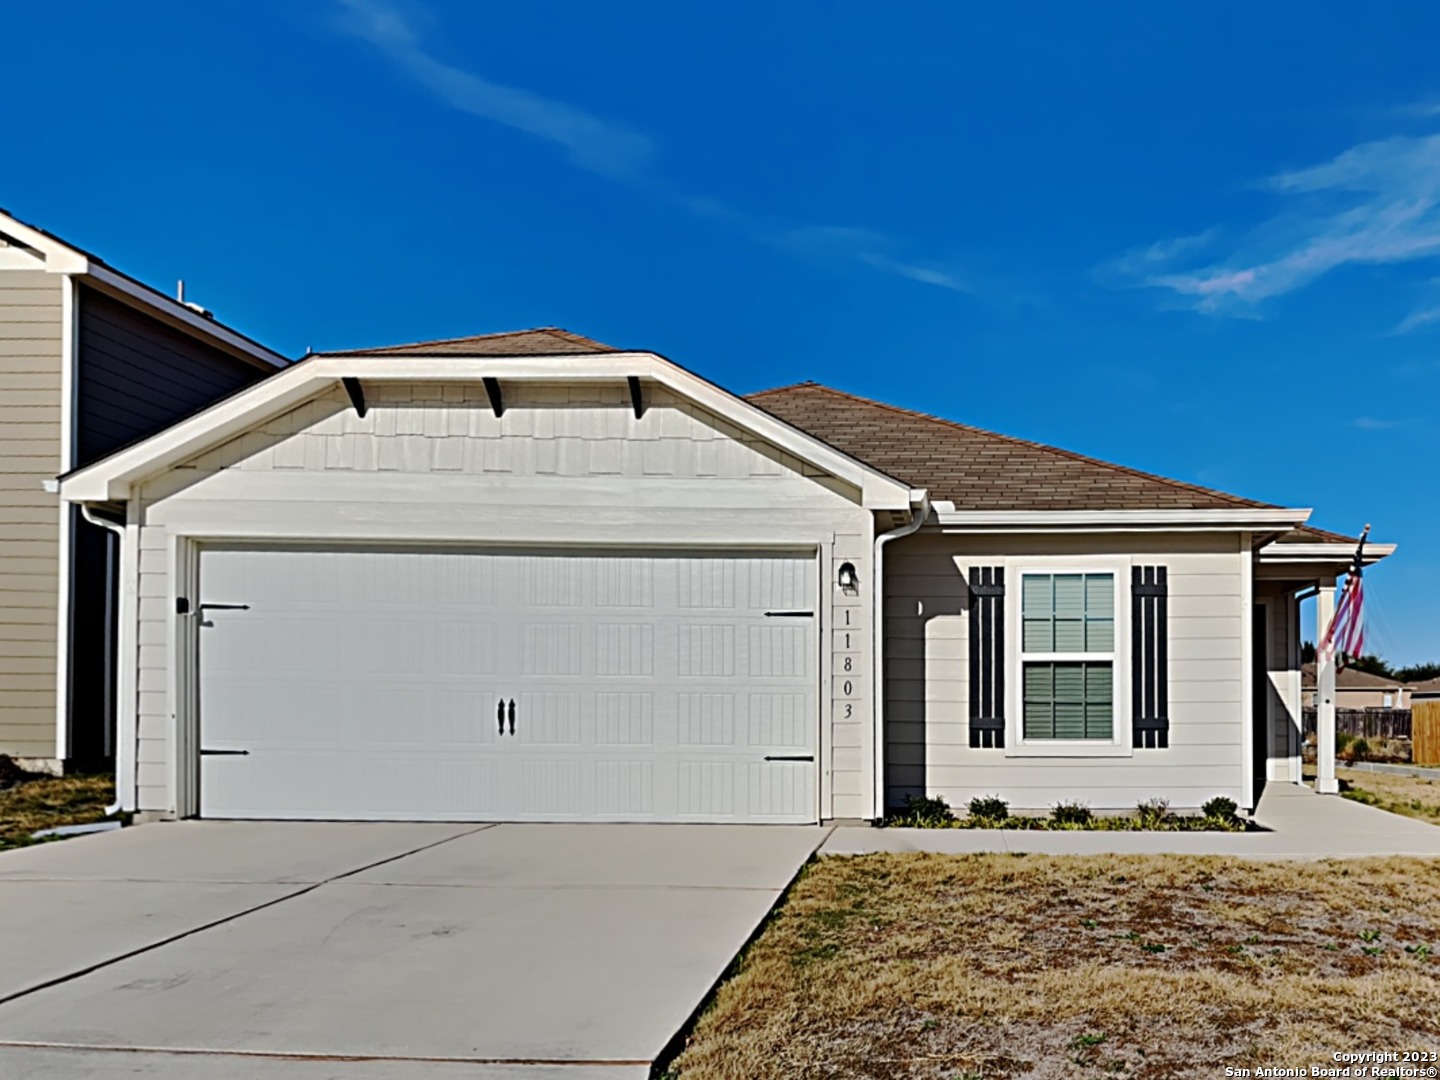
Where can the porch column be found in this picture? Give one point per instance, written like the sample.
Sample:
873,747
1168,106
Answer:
1325,782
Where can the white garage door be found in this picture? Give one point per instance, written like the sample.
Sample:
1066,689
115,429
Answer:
407,685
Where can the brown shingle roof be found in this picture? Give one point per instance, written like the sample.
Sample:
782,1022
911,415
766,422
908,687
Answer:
542,341
1308,534
977,469
1349,678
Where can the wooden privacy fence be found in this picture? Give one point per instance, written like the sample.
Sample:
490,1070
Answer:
1426,747
1367,723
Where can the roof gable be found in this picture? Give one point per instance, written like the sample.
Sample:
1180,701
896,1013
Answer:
542,341
977,469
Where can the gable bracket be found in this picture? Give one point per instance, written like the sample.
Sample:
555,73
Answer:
492,391
356,392
636,399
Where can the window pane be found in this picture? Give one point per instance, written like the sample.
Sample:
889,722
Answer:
1069,682
1069,720
1070,595
1099,721
1099,635
1069,701
1099,683
1039,636
1039,682
1035,594
1038,721
1100,595
1069,635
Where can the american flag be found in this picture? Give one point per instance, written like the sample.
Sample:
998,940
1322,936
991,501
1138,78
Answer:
1346,633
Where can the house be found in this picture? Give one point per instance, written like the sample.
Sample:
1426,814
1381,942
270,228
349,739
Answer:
1355,689
529,576
90,360
1429,690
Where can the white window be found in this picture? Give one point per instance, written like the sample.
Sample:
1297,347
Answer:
1389,701
1067,657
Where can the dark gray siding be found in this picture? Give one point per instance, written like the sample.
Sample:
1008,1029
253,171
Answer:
139,375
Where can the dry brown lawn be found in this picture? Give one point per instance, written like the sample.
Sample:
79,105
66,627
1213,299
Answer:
1408,795
51,801
911,966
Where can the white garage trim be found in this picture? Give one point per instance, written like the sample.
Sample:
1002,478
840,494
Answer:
113,477
727,759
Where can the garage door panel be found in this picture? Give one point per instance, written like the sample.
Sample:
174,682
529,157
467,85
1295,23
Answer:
365,684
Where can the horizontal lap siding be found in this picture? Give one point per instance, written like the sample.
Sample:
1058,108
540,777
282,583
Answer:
565,464
31,314
138,375
927,717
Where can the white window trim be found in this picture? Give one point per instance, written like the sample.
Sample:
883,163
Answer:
1119,743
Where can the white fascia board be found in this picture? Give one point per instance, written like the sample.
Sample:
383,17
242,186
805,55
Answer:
111,478
192,320
61,258
1323,553
1241,519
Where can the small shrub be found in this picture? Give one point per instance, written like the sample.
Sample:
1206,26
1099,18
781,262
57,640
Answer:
1220,808
1343,741
925,812
1071,813
1151,813
989,808
1359,750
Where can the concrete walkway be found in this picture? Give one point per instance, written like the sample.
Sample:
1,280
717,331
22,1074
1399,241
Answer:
1303,826
311,951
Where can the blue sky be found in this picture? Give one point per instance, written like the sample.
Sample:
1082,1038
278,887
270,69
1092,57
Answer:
1202,240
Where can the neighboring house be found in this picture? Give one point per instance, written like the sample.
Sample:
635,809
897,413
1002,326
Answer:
1357,690
529,576
1429,690
90,360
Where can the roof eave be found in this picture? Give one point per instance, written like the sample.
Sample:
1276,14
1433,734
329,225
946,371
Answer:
63,258
1239,519
1322,554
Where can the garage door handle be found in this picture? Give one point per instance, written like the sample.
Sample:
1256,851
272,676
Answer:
789,614
512,716
225,753
789,757
500,715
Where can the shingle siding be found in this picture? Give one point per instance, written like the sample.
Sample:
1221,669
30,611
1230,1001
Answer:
31,313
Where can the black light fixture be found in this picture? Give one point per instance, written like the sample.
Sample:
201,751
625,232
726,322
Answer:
847,579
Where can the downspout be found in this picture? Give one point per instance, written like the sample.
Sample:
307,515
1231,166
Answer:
918,514
88,513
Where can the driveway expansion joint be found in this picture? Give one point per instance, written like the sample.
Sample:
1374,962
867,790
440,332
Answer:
304,890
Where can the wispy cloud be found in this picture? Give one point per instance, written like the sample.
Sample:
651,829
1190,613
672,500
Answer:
1416,319
1371,423
599,145
612,149
1376,203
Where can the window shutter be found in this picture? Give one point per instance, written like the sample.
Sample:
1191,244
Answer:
1150,657
987,657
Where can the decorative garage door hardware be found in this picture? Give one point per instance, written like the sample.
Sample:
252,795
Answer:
789,757
789,614
225,753
500,715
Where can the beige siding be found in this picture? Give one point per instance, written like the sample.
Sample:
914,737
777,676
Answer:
927,628
30,366
564,465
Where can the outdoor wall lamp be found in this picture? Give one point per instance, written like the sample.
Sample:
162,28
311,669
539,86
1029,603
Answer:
847,578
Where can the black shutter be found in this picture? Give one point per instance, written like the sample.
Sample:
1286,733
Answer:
1150,657
987,657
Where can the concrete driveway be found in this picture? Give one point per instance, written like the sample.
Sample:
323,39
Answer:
323,951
